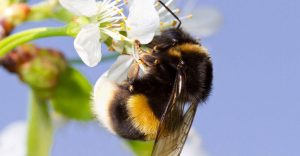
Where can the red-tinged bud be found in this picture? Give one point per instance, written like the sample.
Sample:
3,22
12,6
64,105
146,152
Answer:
5,28
16,13
40,68
18,57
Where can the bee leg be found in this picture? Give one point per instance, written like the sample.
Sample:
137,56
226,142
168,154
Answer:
149,59
133,72
145,57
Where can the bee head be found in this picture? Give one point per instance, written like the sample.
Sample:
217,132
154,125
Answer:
174,45
170,38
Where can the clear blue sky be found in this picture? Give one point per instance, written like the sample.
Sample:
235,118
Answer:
254,109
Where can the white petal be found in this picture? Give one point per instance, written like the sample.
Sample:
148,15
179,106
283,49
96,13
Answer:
118,71
205,22
193,145
88,46
143,21
114,35
188,6
13,139
130,2
80,7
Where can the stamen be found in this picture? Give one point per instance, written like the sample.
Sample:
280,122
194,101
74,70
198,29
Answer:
186,17
176,11
163,9
121,4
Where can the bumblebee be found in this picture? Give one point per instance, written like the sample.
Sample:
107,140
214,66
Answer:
161,103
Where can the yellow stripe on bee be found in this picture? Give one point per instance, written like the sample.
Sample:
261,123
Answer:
142,116
187,48
174,52
192,48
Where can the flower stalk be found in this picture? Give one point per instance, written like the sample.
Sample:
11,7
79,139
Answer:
40,130
15,40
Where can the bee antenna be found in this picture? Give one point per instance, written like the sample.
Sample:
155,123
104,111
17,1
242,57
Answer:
173,14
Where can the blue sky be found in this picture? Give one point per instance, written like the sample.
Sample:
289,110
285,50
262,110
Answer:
254,109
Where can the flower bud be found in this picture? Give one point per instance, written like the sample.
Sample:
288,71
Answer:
5,27
37,67
16,13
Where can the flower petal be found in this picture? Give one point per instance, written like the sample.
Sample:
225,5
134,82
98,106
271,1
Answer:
118,71
143,20
13,139
193,145
88,46
80,7
114,35
205,22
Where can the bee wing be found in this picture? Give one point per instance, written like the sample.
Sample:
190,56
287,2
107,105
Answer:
175,124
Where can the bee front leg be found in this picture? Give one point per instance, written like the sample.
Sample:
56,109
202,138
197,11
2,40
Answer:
146,58
133,72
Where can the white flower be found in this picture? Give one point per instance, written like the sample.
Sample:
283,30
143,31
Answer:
13,139
106,19
118,71
143,20
199,21
193,145
205,22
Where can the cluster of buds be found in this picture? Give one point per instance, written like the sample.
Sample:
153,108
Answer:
40,68
12,16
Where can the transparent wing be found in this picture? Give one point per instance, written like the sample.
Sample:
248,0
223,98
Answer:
175,124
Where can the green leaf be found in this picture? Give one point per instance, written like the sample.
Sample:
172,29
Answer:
72,96
141,148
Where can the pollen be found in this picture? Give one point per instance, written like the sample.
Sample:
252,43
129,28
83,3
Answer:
122,38
174,23
142,116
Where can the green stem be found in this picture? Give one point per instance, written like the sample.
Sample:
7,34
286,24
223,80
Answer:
13,41
49,9
40,129
17,1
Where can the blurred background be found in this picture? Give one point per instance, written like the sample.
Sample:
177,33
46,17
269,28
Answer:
254,109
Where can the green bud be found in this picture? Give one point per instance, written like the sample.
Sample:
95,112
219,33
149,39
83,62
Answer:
38,68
